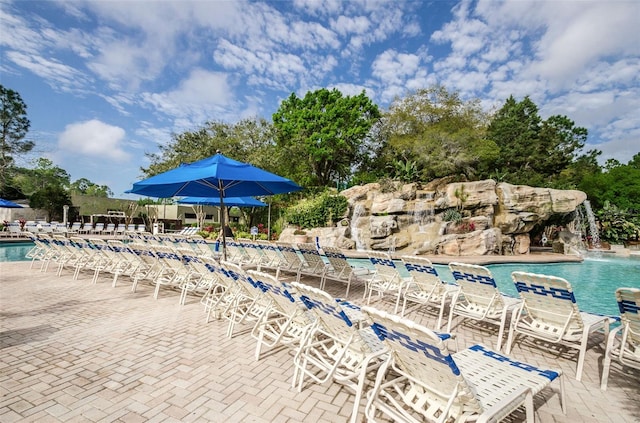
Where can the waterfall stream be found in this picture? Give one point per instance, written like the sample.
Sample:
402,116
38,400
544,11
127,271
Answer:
593,228
358,211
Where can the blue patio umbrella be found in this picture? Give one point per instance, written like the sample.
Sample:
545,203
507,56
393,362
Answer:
9,204
219,175
229,201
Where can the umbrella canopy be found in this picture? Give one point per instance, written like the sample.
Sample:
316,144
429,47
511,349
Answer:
215,175
228,201
9,204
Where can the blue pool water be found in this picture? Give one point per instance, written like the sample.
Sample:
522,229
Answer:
15,251
594,281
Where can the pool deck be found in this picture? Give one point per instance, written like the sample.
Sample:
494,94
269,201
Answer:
73,351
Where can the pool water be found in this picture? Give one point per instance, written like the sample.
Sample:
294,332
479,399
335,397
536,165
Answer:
15,251
594,281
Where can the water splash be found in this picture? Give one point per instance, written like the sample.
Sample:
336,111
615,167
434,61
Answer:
593,228
423,213
420,214
578,228
358,211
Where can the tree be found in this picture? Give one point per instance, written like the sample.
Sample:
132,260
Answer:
618,185
86,187
15,125
532,150
46,187
585,166
436,134
248,140
52,199
44,174
320,138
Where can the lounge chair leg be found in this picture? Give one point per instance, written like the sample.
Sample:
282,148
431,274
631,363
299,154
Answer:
528,406
503,321
582,353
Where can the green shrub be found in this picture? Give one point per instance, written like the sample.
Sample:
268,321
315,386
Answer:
317,211
617,225
452,215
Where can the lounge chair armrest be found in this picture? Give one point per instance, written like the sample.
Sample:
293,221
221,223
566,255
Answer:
507,405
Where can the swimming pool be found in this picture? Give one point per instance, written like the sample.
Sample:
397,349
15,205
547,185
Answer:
594,281
15,251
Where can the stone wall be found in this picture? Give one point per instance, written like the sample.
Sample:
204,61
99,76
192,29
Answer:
494,218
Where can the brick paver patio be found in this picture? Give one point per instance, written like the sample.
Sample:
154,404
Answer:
73,351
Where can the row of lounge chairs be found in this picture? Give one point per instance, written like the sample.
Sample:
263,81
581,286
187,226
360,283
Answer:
546,309
374,354
101,228
404,370
14,229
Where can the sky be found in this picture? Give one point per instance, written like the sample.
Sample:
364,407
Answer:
106,82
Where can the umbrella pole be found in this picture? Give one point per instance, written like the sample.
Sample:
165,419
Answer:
222,223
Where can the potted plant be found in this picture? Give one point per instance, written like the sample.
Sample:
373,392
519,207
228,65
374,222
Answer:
300,236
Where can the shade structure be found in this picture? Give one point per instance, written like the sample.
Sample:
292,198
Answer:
10,204
215,176
229,201
219,175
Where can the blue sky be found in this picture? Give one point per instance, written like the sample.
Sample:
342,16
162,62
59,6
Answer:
107,81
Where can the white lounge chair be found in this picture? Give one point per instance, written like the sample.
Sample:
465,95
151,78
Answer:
549,312
98,228
623,344
425,287
248,303
336,348
422,381
284,321
313,264
342,270
386,279
75,227
14,230
110,229
479,298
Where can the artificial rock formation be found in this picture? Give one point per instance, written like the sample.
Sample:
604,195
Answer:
467,218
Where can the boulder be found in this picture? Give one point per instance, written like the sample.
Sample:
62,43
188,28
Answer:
382,226
387,203
469,195
494,218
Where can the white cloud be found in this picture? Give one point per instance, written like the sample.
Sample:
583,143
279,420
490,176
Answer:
352,89
596,31
94,138
186,62
58,75
345,25
202,96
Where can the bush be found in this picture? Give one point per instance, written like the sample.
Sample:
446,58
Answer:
452,215
318,211
617,225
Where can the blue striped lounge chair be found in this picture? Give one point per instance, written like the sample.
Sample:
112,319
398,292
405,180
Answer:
425,287
422,381
549,312
386,278
623,344
479,299
339,347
